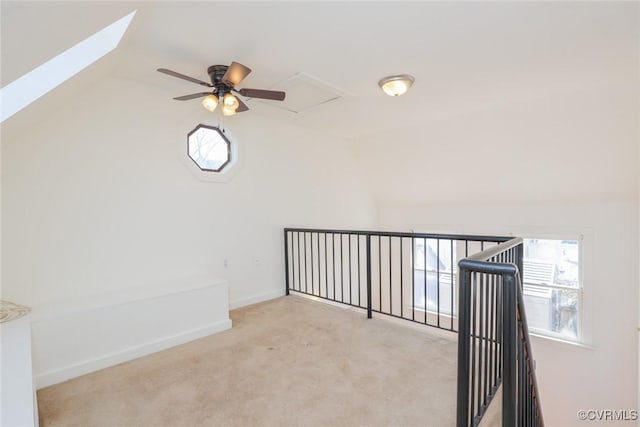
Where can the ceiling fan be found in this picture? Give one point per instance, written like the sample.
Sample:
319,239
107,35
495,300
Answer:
224,80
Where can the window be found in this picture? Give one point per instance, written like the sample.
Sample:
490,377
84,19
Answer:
551,276
552,287
209,148
435,275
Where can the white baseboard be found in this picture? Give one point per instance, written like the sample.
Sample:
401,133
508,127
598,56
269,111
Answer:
46,379
241,302
82,336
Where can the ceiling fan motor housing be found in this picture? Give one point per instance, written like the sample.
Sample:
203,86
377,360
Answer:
216,72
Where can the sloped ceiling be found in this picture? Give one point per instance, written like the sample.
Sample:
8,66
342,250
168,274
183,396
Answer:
463,55
467,58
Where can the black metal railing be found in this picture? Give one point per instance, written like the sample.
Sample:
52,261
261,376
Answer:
412,276
493,339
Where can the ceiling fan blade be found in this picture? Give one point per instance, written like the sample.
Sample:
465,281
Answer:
235,74
183,77
242,106
274,95
192,96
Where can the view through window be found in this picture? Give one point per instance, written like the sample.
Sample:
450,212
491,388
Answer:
552,288
435,267
551,282
209,148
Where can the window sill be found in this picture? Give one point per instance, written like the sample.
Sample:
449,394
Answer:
577,344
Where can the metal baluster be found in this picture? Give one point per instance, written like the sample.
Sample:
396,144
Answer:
438,280
286,261
480,339
326,268
401,282
333,254
380,273
487,389
509,381
350,274
299,264
413,280
425,280
451,283
369,308
359,273
318,253
500,319
306,270
492,337
313,291
341,268
473,340
390,279
464,334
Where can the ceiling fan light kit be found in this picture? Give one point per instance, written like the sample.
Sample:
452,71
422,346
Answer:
230,101
210,102
224,80
396,85
228,111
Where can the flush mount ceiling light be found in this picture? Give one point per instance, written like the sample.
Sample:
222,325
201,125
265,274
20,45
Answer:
396,85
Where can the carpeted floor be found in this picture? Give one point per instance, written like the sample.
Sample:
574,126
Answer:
286,362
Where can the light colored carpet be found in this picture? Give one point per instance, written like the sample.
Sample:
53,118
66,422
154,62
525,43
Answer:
286,362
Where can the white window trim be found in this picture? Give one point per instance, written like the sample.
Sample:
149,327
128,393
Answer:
206,118
583,234
584,237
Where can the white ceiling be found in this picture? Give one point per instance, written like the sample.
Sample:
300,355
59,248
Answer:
463,55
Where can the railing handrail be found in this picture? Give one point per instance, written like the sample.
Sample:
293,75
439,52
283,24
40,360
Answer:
470,237
514,330
489,253
489,291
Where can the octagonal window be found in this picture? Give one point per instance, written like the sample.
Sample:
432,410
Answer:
209,148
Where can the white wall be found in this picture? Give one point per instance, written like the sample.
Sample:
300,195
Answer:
563,164
575,145
602,375
96,198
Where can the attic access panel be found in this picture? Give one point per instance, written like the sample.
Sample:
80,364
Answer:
305,92
209,148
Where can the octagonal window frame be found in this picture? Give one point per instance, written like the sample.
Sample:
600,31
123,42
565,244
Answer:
228,143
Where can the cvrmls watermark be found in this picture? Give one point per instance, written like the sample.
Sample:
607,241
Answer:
608,415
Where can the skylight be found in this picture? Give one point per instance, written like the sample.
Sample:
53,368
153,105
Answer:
39,81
